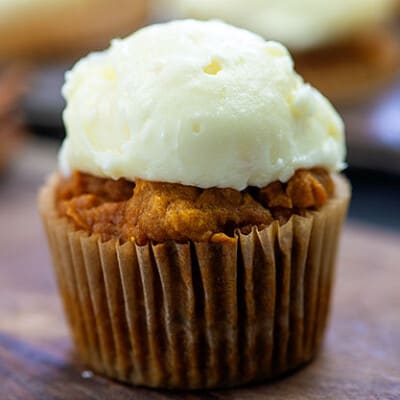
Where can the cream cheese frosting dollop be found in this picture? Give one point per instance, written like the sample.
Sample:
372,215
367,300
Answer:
299,24
197,103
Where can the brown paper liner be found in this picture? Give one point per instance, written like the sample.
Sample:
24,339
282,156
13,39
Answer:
198,315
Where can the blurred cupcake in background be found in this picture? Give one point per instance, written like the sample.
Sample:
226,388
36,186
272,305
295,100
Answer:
44,29
342,47
13,83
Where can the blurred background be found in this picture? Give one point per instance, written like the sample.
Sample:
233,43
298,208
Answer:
348,49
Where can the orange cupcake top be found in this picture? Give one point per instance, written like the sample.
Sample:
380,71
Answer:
154,211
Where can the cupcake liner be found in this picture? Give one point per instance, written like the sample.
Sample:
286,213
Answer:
198,315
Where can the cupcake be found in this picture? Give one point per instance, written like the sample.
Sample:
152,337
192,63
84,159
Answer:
194,219
342,47
43,29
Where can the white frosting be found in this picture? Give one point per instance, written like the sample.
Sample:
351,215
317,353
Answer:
197,103
299,24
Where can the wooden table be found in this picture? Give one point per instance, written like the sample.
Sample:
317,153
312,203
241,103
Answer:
360,359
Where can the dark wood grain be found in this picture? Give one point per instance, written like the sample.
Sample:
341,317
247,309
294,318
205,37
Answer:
360,358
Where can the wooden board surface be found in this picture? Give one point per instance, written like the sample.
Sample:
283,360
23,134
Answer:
360,358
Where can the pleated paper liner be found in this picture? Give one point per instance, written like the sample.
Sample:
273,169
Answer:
198,315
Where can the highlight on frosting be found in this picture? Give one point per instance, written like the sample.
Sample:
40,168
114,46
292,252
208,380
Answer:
299,24
198,103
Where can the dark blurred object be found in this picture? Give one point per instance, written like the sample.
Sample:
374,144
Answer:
375,198
13,83
43,104
373,132
65,29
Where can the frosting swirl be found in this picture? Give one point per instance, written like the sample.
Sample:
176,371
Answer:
197,103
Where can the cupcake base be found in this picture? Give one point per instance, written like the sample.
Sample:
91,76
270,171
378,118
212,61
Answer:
198,315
